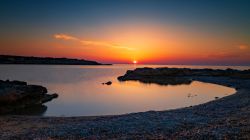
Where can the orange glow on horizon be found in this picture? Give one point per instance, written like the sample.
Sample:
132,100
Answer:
151,44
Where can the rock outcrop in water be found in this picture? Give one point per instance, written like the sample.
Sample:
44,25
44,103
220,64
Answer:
17,95
174,76
9,59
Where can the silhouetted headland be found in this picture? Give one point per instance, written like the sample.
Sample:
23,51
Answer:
11,59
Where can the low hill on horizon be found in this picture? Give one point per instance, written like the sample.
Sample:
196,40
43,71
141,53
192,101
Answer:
13,59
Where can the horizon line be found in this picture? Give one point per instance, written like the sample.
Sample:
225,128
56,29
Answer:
190,64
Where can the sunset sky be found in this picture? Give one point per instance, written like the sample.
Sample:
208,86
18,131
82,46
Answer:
207,32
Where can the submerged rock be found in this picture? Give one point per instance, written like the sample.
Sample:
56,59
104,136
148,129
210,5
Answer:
15,95
107,83
216,97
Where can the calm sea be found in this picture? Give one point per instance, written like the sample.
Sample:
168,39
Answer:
81,92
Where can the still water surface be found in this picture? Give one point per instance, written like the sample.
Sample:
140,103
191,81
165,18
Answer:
82,94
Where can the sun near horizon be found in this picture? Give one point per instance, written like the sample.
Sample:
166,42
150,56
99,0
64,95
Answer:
134,62
162,32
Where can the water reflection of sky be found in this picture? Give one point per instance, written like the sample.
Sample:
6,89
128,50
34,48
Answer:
81,92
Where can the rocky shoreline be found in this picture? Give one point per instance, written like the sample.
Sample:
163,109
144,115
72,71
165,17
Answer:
175,76
224,118
16,96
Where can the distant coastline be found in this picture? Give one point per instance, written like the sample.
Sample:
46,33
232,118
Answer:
12,59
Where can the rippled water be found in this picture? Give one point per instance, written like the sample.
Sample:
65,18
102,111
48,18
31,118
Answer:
82,94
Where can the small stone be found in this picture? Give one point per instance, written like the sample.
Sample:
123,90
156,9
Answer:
107,83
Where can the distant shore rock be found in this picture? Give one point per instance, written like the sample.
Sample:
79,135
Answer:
175,76
10,59
16,95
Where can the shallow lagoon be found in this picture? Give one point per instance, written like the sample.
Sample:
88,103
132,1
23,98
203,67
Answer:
81,92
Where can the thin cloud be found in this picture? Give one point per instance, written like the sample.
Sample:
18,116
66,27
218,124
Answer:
95,43
243,47
88,42
65,37
128,48
223,55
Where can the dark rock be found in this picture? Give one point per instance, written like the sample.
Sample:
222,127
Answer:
48,97
175,76
15,95
107,83
37,110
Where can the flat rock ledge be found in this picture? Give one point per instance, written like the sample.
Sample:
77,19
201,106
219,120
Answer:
17,95
176,76
223,118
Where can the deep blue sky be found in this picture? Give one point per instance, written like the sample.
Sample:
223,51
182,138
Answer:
228,14
28,18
